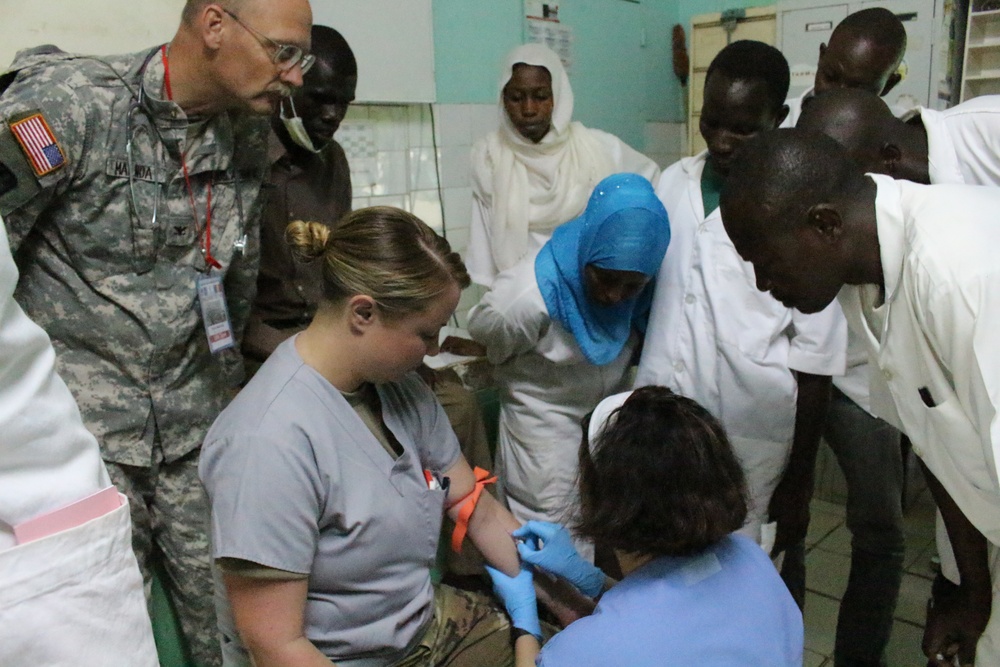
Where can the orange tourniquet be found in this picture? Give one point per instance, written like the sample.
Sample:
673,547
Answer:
469,503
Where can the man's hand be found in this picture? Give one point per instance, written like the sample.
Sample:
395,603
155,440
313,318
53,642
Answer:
562,599
789,507
956,617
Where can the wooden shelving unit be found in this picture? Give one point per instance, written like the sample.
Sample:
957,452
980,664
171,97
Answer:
981,68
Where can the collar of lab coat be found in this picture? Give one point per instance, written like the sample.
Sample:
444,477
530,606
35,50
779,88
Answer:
942,161
891,228
693,167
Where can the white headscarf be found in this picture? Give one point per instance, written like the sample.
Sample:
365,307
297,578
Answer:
537,187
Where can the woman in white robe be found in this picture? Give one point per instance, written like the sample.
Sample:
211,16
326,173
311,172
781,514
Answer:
538,168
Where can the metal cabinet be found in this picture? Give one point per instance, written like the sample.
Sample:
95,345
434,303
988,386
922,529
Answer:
805,24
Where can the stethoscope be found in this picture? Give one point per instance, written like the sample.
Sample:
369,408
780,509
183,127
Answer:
134,131
131,132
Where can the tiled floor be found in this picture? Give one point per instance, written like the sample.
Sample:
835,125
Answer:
827,566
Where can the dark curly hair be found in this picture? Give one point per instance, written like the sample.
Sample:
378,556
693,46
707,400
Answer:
660,479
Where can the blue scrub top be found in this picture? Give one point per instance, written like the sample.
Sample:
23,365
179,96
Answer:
726,607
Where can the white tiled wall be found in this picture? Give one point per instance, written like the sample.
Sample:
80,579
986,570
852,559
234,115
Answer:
391,153
416,157
458,126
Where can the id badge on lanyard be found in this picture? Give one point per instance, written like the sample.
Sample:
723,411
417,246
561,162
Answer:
215,313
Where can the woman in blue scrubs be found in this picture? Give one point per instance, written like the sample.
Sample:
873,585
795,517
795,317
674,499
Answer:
661,486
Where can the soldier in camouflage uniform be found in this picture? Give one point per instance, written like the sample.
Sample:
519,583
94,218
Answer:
123,180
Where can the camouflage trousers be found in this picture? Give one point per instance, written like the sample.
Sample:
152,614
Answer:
170,520
468,630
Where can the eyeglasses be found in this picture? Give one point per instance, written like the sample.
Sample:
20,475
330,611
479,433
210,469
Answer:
286,56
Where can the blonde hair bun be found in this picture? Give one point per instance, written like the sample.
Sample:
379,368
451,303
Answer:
307,239
384,252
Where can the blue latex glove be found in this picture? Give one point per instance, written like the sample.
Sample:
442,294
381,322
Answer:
518,595
550,547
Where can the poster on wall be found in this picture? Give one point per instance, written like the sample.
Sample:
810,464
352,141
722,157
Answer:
556,36
540,10
542,26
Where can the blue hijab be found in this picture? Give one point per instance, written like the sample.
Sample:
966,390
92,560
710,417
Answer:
624,228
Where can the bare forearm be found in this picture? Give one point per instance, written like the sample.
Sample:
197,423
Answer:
810,411
489,529
526,649
789,505
970,546
957,615
562,598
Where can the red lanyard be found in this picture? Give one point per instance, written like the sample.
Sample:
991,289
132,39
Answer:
206,236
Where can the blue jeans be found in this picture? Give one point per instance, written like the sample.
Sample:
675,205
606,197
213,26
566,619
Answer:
867,449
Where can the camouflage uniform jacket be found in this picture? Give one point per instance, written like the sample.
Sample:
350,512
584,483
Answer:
115,291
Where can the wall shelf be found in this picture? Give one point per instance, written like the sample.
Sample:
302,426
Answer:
981,64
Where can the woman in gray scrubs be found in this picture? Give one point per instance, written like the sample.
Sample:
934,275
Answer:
330,472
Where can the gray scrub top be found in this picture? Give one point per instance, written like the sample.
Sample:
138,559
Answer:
298,482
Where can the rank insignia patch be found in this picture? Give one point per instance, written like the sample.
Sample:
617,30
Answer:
38,143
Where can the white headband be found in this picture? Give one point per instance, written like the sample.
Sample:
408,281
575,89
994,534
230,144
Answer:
601,413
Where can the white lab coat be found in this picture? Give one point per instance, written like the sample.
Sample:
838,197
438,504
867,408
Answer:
74,597
963,146
936,359
546,387
963,143
713,336
479,257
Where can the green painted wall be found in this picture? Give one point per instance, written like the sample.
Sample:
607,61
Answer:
471,38
622,74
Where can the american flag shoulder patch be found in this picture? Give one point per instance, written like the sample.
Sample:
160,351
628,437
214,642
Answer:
38,143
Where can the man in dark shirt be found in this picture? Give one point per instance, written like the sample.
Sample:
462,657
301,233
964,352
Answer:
309,180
